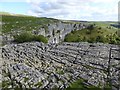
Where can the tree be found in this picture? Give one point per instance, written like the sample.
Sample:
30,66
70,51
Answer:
90,27
99,39
28,37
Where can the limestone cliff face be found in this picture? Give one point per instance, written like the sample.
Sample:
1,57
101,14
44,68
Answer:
55,31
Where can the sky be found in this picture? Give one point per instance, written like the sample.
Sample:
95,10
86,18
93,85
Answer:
88,10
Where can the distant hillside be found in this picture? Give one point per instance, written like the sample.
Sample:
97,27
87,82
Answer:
5,13
12,14
95,33
56,29
12,22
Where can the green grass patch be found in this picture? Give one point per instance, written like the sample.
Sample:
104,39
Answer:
93,34
26,79
28,37
60,71
5,84
17,23
79,85
39,84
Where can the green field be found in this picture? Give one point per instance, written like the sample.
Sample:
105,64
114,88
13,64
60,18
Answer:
27,23
98,32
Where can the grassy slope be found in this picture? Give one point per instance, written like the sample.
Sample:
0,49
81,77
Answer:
12,14
102,29
106,24
5,13
24,23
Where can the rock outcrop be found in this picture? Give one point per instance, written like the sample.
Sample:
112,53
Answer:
55,32
36,65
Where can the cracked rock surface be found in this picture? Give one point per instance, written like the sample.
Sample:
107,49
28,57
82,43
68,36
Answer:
37,65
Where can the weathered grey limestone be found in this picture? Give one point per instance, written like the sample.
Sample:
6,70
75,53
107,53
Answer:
32,65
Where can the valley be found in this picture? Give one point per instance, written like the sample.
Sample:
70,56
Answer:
50,53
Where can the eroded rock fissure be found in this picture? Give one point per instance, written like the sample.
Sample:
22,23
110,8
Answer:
38,65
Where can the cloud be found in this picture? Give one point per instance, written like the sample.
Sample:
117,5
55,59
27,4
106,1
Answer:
75,9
